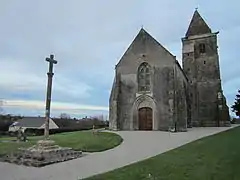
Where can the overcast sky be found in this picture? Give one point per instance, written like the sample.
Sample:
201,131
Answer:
88,38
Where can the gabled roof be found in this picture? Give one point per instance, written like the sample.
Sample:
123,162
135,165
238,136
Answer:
31,122
143,34
197,26
141,39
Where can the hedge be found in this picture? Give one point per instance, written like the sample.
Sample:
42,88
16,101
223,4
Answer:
40,132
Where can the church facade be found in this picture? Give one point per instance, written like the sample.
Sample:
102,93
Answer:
151,91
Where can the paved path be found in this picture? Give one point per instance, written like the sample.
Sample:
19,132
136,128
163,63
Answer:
137,145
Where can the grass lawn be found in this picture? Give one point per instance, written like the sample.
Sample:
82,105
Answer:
212,158
80,140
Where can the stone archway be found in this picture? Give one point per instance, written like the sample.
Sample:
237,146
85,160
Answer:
144,101
145,118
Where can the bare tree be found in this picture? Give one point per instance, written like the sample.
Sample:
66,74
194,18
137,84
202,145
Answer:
65,116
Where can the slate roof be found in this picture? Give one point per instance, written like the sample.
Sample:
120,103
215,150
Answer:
197,26
31,122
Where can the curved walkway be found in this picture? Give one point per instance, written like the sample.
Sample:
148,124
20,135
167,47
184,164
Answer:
137,145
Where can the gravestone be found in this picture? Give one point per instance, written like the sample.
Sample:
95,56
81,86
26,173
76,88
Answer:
21,135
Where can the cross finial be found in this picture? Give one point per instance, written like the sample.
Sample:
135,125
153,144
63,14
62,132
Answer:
142,26
196,8
51,59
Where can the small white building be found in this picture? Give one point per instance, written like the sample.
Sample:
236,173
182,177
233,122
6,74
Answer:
32,123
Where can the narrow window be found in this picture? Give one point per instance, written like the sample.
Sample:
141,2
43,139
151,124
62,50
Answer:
202,48
144,77
204,62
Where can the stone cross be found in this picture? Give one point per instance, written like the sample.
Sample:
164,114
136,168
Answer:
49,92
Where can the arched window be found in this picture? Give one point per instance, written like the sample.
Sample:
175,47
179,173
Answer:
202,48
144,77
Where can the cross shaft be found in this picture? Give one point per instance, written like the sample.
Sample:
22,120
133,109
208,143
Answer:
49,92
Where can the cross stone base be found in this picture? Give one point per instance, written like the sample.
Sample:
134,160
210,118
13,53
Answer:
45,152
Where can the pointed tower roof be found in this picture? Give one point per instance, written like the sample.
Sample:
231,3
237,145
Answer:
197,25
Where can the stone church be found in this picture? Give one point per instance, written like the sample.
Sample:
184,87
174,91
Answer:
151,91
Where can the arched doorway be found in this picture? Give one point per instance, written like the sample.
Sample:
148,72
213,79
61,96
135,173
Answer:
145,118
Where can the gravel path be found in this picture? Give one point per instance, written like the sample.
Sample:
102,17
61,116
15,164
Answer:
137,145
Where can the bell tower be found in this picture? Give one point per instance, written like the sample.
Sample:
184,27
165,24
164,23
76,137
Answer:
201,66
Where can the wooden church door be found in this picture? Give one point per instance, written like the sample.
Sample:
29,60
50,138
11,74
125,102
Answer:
145,118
